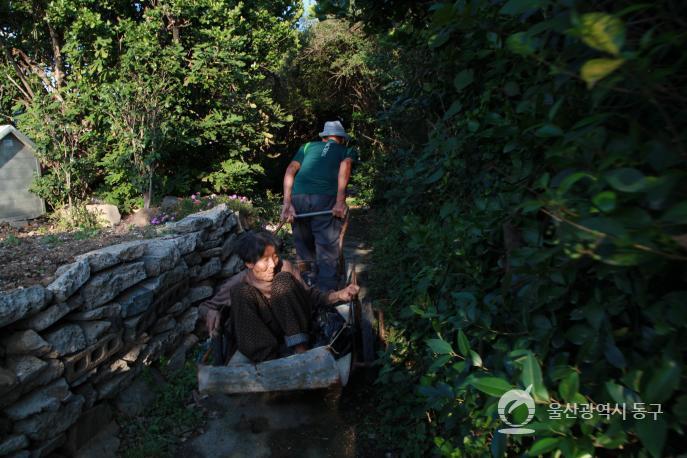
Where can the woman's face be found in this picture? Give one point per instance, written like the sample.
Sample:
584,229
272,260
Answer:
263,269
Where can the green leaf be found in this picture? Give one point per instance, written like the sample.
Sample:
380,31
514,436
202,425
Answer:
605,225
455,108
438,39
417,310
476,358
569,386
463,344
677,214
435,176
603,32
463,79
594,70
511,89
493,386
464,299
441,361
573,178
530,206
621,394
440,346
531,375
605,201
614,355
517,7
663,382
626,180
627,257
680,408
544,445
653,434
521,43
548,130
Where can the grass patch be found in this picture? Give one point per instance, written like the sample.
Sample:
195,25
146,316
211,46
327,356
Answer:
86,233
51,240
11,240
158,432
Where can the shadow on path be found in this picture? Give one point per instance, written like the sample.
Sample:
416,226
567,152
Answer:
303,424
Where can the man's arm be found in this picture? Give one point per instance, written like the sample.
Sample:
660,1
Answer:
339,209
288,212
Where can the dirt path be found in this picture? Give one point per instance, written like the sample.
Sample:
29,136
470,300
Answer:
321,423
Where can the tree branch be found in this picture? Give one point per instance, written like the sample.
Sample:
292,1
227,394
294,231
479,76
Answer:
35,68
28,90
57,55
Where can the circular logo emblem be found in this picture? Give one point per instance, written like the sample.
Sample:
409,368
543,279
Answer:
511,400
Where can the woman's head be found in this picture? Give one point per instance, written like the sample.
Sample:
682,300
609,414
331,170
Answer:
259,253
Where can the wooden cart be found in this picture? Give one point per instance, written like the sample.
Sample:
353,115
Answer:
317,368
313,369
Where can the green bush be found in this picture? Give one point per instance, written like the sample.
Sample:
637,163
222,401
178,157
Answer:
235,176
195,203
76,217
539,224
269,207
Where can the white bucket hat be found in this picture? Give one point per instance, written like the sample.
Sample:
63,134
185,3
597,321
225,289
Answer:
334,128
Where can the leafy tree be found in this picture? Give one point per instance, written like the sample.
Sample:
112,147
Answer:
202,95
55,110
144,107
61,129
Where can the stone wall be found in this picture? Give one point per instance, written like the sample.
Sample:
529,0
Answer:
69,348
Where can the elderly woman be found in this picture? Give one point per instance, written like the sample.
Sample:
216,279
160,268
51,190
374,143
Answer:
271,308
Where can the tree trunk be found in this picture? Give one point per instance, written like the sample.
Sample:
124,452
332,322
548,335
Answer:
58,71
148,195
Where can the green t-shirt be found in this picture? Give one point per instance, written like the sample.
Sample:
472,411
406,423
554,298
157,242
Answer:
319,170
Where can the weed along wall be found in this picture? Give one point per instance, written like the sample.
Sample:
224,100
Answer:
70,348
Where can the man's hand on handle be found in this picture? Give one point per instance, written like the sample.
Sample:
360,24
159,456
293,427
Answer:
288,213
339,210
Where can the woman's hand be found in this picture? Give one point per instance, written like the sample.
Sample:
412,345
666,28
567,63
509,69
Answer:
212,320
348,293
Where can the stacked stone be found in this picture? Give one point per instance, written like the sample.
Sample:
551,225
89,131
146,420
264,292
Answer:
69,348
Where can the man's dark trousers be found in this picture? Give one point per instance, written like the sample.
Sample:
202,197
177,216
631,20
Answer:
317,238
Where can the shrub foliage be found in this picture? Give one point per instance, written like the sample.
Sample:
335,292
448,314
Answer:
539,216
